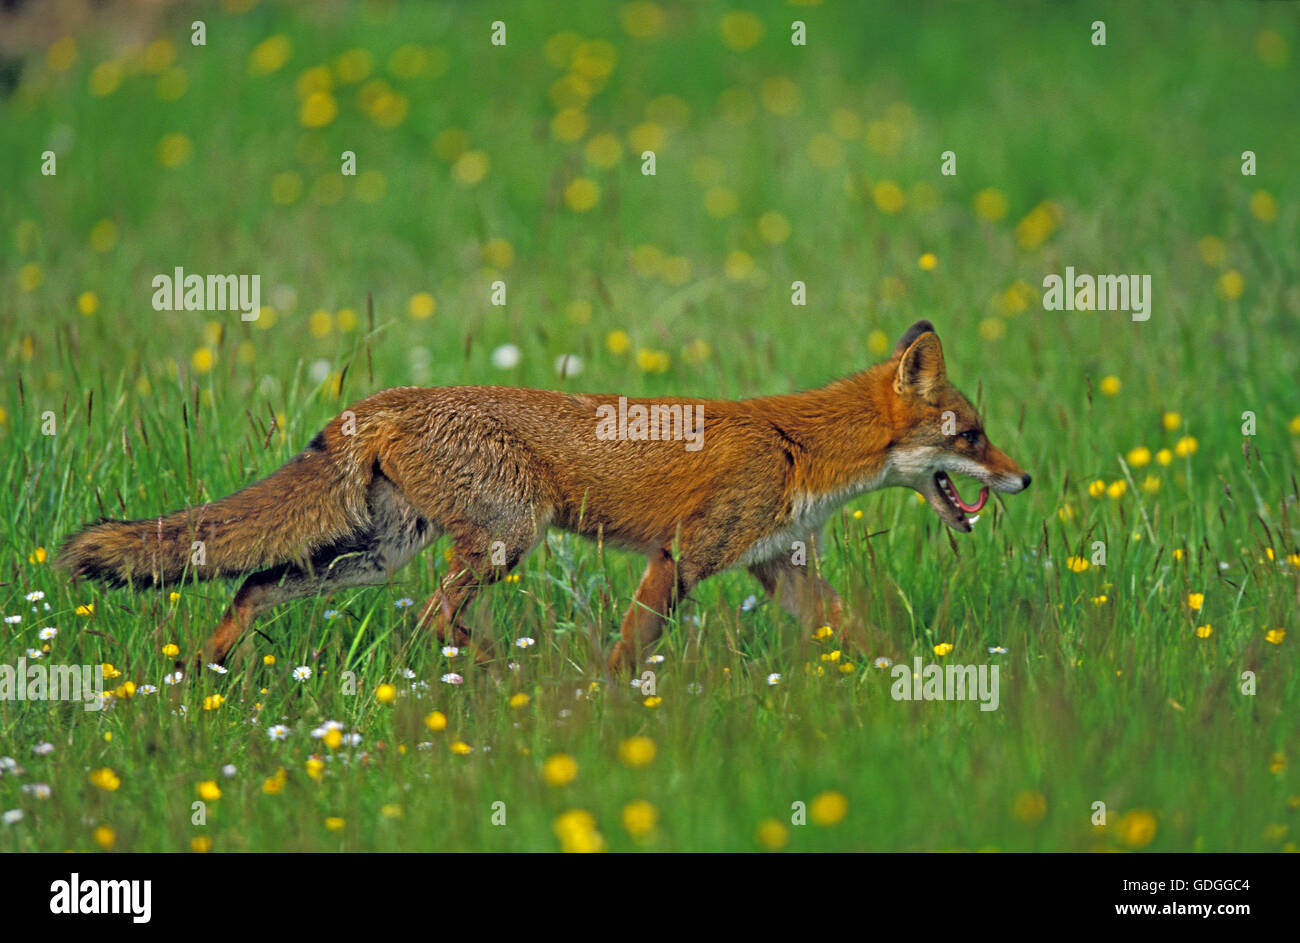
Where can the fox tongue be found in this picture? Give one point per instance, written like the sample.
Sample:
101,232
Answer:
969,508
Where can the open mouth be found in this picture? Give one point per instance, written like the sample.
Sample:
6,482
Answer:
949,491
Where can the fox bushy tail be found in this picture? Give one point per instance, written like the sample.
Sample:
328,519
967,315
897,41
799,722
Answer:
311,502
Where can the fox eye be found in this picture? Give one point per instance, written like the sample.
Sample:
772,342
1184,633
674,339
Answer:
972,436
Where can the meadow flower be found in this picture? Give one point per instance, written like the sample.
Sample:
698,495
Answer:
110,672
278,732
772,834
694,688
37,790
774,678
749,604
883,662
450,651
1195,600
219,669
104,778
1116,489
1110,386
525,642
404,602
301,673
12,816
1204,631
331,614
653,702
436,721
35,596
13,620
452,678
174,678
43,749
1029,807
655,660
829,808
208,790
1077,564
213,701
1275,636
1099,600
997,650
823,632
146,689
1185,446
461,748
229,770
639,817
943,648
1137,828
506,357
1139,456
637,751
35,653
351,739
385,694
171,650
559,769
1097,488
519,700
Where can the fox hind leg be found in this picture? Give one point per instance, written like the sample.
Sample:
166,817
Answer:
663,585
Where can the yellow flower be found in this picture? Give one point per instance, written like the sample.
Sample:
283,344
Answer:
603,151
103,235
569,124
772,834
37,556
268,660
109,671
1164,457
831,656
1097,488
105,837
1099,600
385,694
174,150
653,361
519,700
928,261
642,19
741,30
201,844
639,817
581,194
653,702
637,751
1030,807
461,748
1137,828
1204,631
269,55
829,808
213,701
30,277
1151,484
617,342
1276,763
1185,446
1263,206
577,832
1275,636
1139,456
943,648
333,738
1195,601
274,783
203,359
824,632
390,810
773,227
334,823
470,168
1077,564
1230,285
105,779
209,791
171,650
1039,224
421,306
1110,386
559,770
1116,489
1294,425
315,767
888,196
990,204
498,253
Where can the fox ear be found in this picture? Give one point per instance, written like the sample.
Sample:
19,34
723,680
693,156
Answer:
913,332
921,371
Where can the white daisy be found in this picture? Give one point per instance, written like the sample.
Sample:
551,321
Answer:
694,687
774,678
174,678
13,619
35,596
35,653
301,673
48,633
404,602
228,770
331,614
506,357
352,739
43,749
39,790
407,673
451,651
146,689
219,669
568,365
883,662
452,678
12,816
278,732
654,660
997,650
525,642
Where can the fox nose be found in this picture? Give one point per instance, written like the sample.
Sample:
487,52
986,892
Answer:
1024,482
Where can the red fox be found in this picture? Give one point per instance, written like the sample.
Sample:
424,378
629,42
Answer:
725,484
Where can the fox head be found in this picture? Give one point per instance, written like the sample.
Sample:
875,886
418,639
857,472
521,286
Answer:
937,432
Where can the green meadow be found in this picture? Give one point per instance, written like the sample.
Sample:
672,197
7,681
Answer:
501,227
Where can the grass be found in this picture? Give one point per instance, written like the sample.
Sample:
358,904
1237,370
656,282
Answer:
1122,158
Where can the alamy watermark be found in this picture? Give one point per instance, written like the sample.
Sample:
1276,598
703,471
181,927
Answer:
48,682
181,292
658,422
922,682
1098,293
